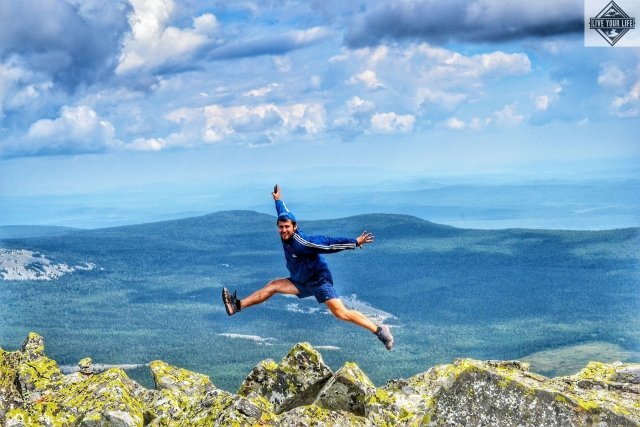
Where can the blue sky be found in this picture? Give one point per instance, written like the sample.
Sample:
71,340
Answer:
102,96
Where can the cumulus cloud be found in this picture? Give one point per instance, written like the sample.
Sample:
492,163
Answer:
611,76
368,78
78,129
508,116
392,122
69,41
448,63
455,123
152,43
219,123
464,20
543,102
148,144
20,87
357,105
628,105
428,83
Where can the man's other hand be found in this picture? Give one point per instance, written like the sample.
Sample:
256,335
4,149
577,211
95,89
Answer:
276,192
365,237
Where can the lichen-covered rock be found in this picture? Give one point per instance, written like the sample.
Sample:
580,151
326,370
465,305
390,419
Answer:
295,381
104,398
37,375
9,395
187,398
603,393
312,415
41,414
346,390
184,387
302,391
470,392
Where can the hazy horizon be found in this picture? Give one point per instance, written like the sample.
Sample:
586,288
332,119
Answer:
491,201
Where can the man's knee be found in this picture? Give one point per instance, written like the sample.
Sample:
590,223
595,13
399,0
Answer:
341,313
276,286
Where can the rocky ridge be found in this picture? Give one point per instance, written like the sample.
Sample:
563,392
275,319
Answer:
301,390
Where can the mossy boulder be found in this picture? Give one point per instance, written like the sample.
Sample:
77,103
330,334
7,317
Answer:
183,397
302,391
295,381
37,375
471,392
9,395
313,415
346,390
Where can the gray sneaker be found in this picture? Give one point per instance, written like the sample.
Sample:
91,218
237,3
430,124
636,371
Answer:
385,336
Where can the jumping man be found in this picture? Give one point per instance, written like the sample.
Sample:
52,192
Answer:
310,275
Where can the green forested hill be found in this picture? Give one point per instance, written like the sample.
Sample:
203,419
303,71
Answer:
447,293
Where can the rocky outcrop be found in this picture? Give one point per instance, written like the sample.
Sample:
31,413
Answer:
301,390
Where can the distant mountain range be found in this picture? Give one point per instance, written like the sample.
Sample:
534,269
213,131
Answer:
154,293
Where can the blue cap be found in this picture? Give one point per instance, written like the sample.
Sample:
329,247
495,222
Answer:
287,216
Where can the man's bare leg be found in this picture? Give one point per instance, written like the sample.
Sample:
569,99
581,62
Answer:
277,286
338,309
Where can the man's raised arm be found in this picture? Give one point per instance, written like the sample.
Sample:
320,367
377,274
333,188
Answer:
281,208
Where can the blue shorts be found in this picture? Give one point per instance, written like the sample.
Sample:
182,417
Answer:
323,290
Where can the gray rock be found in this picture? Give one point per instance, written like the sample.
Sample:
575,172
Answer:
295,381
302,391
346,390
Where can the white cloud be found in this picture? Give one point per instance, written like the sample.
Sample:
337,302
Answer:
78,129
456,66
152,43
368,78
262,91
455,123
628,105
20,87
508,116
282,63
150,144
446,101
74,123
426,80
392,122
477,123
218,122
611,76
357,105
542,102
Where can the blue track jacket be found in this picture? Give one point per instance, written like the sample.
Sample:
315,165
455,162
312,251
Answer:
302,253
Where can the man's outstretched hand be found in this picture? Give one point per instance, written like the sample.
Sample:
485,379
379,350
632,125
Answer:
276,192
365,237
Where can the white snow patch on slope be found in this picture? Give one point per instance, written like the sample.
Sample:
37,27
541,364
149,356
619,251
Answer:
375,314
21,264
255,338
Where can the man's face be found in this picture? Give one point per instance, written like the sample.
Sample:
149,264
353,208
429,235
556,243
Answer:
286,229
